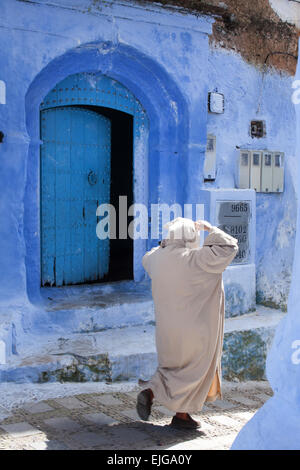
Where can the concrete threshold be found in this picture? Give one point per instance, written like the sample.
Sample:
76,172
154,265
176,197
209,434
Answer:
96,295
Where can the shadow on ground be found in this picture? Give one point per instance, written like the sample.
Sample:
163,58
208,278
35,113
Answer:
109,421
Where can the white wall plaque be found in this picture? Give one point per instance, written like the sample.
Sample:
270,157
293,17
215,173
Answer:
216,102
2,352
2,92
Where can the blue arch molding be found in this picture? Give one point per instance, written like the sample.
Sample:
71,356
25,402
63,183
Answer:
161,151
96,90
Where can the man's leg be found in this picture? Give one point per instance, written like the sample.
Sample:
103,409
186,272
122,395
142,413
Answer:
182,415
144,403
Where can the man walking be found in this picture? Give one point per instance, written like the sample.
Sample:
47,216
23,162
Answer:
188,294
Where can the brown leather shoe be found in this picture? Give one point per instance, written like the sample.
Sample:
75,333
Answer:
144,404
190,423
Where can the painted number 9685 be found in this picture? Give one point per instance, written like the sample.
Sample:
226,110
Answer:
240,207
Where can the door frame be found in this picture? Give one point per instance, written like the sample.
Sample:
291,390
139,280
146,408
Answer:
100,90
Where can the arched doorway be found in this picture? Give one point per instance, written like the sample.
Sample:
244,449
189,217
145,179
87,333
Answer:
160,136
89,123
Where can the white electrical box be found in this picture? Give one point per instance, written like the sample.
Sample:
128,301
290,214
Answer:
244,169
2,352
2,92
216,102
255,170
266,172
210,158
277,171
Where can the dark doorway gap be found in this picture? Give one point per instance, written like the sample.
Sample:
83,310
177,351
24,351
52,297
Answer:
121,251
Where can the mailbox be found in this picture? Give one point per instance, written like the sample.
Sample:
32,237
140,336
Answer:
266,172
244,169
277,171
262,171
255,170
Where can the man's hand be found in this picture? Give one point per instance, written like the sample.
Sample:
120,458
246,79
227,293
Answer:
202,225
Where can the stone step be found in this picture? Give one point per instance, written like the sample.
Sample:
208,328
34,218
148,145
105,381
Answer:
93,308
129,353
97,307
111,355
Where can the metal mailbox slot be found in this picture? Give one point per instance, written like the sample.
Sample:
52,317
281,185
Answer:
244,169
255,171
278,171
266,172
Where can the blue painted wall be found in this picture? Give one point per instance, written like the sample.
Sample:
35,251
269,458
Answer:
156,63
276,425
165,60
253,95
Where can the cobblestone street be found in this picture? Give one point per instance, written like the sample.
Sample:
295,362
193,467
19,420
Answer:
109,421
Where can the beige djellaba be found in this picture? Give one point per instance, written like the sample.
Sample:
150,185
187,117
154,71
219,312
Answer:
189,301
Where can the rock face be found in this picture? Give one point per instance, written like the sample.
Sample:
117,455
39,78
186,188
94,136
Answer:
254,29
245,352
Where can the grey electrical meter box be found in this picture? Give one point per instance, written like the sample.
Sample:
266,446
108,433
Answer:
234,218
234,212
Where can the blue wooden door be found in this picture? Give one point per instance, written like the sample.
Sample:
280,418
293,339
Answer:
75,179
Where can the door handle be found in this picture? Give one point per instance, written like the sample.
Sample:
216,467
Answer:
92,178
